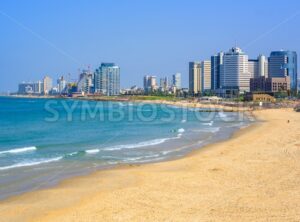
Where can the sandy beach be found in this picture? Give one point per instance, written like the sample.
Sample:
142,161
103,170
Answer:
254,176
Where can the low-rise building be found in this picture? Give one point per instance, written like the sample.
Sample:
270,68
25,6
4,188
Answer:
263,84
260,97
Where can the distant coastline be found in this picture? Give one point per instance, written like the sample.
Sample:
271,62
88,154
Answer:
189,103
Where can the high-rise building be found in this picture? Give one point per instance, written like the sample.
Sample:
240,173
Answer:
177,81
38,87
216,62
164,84
258,67
26,88
107,79
146,83
150,83
85,82
253,68
283,64
262,66
195,77
61,84
234,71
47,85
30,87
205,75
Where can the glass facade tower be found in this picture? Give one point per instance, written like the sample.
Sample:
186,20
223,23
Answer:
284,64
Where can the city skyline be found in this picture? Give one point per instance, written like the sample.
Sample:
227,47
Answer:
33,51
225,71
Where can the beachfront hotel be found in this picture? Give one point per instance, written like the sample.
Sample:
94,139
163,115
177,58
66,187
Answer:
234,73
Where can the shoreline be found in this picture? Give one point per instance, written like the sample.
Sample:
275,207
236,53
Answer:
238,178
185,153
184,103
125,166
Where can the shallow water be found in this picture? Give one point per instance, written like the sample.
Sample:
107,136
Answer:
43,141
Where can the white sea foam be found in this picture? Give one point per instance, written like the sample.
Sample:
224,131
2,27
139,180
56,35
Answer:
222,115
19,150
31,163
210,129
138,145
215,129
179,135
144,159
208,124
181,130
225,117
134,159
72,154
92,151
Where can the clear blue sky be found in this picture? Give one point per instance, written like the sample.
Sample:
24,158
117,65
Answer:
57,37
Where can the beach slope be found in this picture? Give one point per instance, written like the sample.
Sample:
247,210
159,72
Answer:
254,176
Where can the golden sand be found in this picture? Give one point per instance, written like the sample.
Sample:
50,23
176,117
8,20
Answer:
255,176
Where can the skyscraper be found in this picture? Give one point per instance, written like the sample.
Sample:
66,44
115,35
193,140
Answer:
177,81
146,83
164,84
258,67
38,87
61,84
216,62
205,75
107,79
253,68
262,66
234,71
282,64
195,77
150,83
47,85
85,82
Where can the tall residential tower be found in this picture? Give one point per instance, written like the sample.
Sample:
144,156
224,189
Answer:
195,77
107,79
47,85
205,75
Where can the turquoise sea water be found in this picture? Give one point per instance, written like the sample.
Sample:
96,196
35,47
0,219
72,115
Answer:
43,141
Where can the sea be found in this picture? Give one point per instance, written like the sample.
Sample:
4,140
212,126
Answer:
43,141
